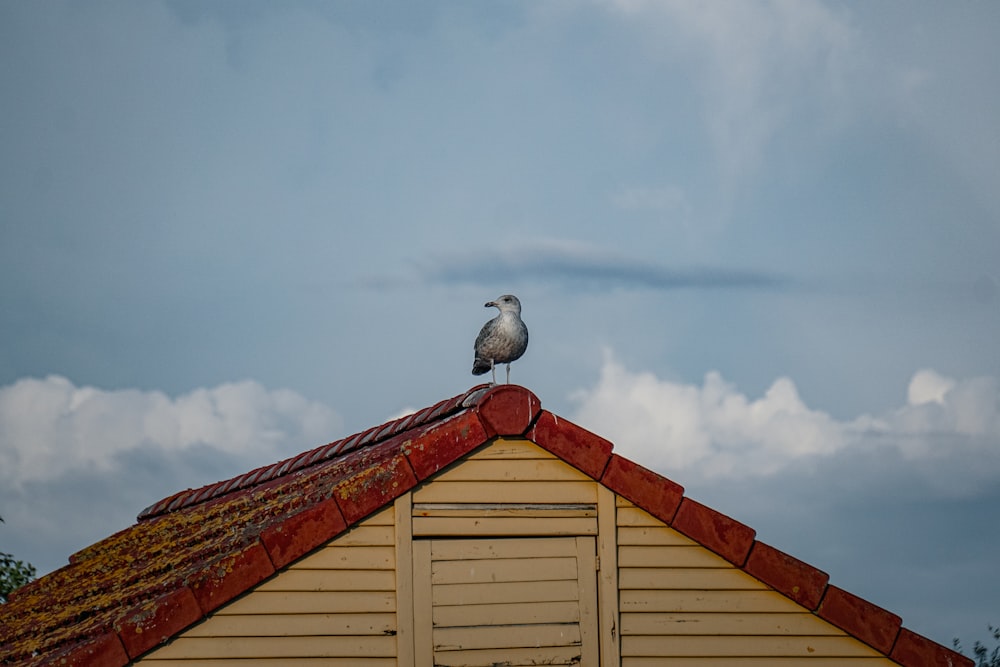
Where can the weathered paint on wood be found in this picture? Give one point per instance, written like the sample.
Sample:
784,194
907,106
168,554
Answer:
737,661
668,646
526,470
508,492
607,578
507,614
403,510
726,624
279,662
502,526
279,647
295,625
529,601
510,449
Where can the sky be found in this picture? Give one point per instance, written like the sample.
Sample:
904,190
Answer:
757,247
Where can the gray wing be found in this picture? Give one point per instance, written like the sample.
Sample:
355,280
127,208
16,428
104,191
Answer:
485,334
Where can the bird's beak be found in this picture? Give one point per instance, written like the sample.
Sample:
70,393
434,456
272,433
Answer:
490,303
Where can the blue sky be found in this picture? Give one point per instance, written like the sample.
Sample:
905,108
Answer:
756,244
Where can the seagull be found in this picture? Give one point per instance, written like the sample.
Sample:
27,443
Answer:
503,339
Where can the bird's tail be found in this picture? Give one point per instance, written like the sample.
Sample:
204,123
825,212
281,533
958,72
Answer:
480,366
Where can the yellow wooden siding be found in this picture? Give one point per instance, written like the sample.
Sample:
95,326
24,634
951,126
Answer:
335,607
509,487
513,556
682,605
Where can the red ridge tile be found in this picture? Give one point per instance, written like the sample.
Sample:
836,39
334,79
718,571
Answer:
385,431
452,438
474,395
102,651
367,438
724,535
179,501
437,410
233,575
654,493
508,409
297,535
405,423
913,650
786,574
868,622
372,488
321,453
155,622
580,448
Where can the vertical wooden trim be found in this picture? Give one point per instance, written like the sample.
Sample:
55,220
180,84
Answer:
607,551
404,581
586,573
423,608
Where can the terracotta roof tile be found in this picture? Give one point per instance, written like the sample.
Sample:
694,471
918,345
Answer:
198,549
656,494
580,448
913,650
859,617
725,536
786,574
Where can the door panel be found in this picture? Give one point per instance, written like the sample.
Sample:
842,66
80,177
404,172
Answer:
495,601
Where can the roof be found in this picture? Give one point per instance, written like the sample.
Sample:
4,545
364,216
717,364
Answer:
196,550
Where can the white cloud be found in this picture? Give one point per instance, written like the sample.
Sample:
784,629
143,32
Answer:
50,427
948,431
762,65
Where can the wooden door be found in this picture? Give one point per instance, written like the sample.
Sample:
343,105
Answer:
505,601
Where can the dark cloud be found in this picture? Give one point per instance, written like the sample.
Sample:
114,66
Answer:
578,265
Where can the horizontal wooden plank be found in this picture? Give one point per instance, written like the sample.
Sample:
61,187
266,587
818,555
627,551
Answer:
507,492
636,556
623,502
706,601
331,580
383,517
510,449
507,614
633,516
760,662
505,510
504,636
653,535
500,526
502,570
512,470
267,602
802,647
352,558
511,657
726,624
279,647
531,591
153,659
687,578
294,625
366,535
505,548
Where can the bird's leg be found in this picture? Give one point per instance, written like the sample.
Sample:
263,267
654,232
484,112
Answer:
493,370
508,373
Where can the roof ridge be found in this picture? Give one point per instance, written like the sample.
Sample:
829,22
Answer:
309,458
